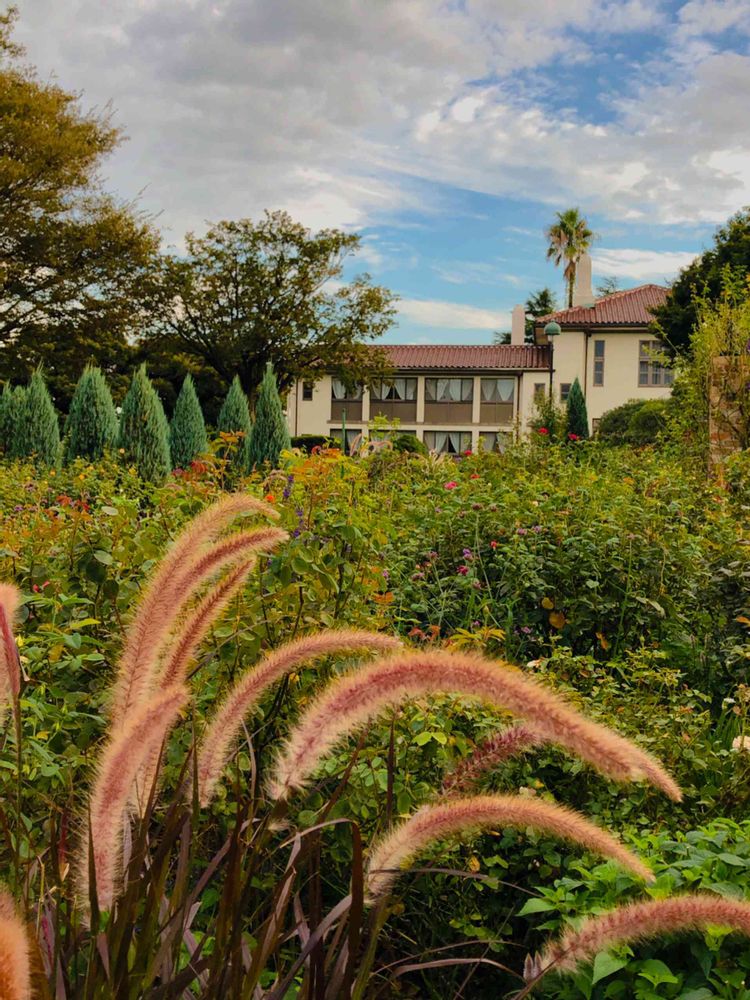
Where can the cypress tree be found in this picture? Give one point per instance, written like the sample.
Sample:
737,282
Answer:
234,418
144,432
39,431
91,428
12,421
270,434
6,417
187,432
578,418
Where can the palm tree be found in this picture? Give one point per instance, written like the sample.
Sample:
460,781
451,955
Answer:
569,239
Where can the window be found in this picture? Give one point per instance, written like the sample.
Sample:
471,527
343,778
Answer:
307,391
352,433
651,370
339,391
498,390
564,391
448,442
399,390
449,390
540,389
598,362
494,440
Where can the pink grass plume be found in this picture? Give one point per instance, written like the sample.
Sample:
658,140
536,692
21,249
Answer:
182,572
10,671
15,956
639,922
460,816
353,699
215,747
121,760
487,756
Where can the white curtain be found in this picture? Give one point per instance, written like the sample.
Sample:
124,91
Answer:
498,390
338,389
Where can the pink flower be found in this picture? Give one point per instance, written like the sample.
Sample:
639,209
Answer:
543,430
463,570
451,485
493,544
468,451
572,437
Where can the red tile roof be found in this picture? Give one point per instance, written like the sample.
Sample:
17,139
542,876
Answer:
628,308
477,357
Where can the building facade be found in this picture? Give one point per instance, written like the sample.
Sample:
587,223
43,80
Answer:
461,397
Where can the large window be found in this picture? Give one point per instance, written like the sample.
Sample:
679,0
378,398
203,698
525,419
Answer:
494,440
598,362
339,391
448,390
497,396
448,442
651,369
400,389
352,433
345,403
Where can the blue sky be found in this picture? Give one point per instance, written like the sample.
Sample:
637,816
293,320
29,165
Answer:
446,133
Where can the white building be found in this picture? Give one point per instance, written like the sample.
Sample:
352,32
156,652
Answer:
455,396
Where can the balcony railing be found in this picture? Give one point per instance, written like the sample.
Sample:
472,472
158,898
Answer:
496,413
447,413
352,408
404,410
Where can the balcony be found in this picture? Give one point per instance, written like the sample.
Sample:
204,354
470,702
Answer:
404,410
447,413
351,407
496,413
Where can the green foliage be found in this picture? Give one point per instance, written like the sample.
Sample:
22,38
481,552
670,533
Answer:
76,264
540,303
577,422
38,431
91,428
249,292
705,281
549,421
187,430
569,237
269,435
614,425
309,441
409,444
144,432
234,418
11,405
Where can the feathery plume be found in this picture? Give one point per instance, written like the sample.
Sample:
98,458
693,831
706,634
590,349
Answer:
161,606
191,632
10,672
355,698
487,756
15,960
435,822
639,922
243,696
121,760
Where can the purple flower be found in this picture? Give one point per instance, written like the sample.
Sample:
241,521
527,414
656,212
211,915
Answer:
476,623
467,554
417,576
537,528
526,630
432,556
386,574
18,507
300,513
522,531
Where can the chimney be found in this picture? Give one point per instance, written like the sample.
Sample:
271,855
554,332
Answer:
518,325
583,293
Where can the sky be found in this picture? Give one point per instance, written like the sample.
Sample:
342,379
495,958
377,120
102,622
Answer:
446,134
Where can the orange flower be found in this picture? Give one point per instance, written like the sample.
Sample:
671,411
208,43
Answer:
269,498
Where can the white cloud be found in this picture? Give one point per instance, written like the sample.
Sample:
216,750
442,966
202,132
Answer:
452,315
332,109
640,265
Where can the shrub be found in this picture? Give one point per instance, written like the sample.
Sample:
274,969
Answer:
187,431
638,422
39,431
409,444
234,418
91,427
269,435
614,424
144,432
577,419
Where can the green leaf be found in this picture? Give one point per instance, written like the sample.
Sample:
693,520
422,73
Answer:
537,906
105,558
657,972
605,964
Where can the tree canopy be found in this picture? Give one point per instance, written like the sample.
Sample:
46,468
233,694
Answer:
705,280
569,237
75,265
538,304
248,293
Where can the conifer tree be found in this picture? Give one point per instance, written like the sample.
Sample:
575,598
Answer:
91,428
234,418
6,417
11,415
578,418
187,432
39,432
144,431
270,434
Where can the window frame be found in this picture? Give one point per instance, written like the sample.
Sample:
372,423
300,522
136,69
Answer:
597,375
657,374
465,382
308,388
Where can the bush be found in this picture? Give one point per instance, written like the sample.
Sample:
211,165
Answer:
614,424
91,428
39,431
409,444
234,418
269,435
144,432
187,431
647,423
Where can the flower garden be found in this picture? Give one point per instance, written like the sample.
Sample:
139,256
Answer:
347,827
